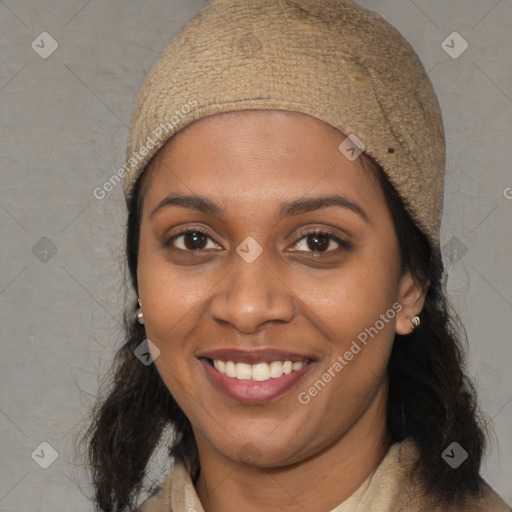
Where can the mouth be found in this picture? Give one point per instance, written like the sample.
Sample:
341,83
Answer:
254,376
259,372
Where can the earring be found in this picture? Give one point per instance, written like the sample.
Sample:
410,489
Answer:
139,313
415,320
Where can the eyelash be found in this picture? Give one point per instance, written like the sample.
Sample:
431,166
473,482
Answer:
342,243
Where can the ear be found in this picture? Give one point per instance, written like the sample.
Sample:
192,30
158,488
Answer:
411,295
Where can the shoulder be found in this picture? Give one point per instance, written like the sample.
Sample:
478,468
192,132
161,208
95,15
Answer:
176,493
489,501
151,504
486,501
160,499
410,492
154,503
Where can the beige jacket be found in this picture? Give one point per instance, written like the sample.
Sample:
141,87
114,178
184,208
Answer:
388,489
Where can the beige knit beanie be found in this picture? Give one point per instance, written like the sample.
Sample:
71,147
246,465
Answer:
331,59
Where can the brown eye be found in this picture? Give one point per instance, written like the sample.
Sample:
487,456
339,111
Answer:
194,240
320,242
191,240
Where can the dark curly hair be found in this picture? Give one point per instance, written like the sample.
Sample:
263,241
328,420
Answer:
431,398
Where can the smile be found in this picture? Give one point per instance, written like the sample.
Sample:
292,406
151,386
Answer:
259,372
254,376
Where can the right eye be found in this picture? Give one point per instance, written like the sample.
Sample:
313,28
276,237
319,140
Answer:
191,240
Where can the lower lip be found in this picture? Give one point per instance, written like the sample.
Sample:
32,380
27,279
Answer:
250,391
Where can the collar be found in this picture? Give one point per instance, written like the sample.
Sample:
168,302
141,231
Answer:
389,488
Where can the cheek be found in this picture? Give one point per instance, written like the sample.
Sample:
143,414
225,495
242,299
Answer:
351,299
171,296
355,308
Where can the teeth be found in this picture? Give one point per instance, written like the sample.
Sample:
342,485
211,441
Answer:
276,369
243,371
230,369
259,372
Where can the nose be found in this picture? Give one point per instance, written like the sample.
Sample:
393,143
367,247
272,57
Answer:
251,295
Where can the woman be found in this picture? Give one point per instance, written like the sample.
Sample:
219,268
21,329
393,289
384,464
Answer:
284,184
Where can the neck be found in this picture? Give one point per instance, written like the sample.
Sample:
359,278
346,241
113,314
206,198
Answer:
316,484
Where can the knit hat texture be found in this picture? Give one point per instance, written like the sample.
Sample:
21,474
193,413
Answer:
332,59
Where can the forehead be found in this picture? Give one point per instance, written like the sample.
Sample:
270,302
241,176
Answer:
253,155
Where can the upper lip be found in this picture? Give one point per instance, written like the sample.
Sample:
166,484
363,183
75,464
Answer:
261,355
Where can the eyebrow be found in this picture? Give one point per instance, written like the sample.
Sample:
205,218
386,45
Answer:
291,208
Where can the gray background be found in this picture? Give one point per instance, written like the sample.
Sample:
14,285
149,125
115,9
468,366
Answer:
64,126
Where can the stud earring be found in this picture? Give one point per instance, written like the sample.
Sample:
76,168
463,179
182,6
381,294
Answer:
139,313
415,320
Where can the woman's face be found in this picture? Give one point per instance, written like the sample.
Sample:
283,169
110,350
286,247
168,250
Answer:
253,288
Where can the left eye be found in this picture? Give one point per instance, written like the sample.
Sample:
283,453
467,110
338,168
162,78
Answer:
318,241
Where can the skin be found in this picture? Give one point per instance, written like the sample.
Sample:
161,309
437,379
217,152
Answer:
306,457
